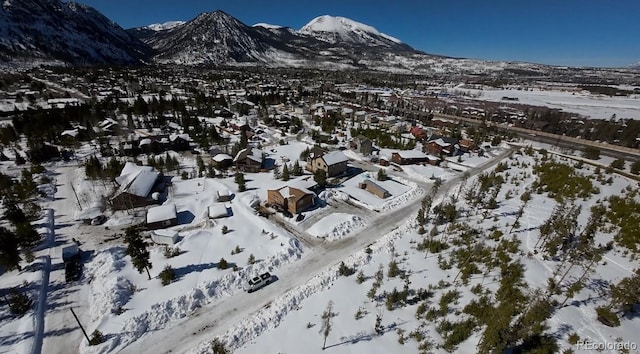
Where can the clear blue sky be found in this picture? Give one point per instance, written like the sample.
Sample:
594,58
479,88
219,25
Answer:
559,32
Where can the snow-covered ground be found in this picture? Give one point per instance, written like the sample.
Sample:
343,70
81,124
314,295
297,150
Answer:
336,226
584,103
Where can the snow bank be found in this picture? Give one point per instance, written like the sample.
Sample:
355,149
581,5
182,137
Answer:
112,291
336,226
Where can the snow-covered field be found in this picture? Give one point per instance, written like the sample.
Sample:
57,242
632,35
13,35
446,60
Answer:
584,103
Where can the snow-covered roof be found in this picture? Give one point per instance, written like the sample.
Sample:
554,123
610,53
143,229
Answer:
217,210
161,213
173,137
221,157
334,157
441,142
145,141
72,133
224,192
411,154
137,180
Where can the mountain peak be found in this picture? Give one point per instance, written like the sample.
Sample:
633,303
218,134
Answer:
337,28
165,26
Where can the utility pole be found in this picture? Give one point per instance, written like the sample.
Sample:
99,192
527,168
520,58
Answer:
80,324
76,194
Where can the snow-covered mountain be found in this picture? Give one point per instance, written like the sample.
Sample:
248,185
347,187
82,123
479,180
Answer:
52,31
218,38
337,30
213,38
165,26
267,25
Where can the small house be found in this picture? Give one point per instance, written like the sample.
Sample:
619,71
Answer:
222,161
374,189
162,216
218,210
249,160
223,195
165,237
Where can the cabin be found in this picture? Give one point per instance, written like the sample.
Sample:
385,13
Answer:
222,161
136,187
249,160
163,216
409,157
217,210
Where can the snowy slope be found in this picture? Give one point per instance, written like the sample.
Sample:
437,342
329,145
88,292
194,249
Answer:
341,29
165,26
55,31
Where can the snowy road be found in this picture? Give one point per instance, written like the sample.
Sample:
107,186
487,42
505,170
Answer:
212,320
61,332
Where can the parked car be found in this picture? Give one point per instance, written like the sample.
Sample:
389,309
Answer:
258,282
98,220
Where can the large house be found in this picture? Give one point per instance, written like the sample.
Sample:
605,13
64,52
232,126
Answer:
136,187
333,163
249,160
442,146
294,197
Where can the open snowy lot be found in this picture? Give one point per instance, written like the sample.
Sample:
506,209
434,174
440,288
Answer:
584,103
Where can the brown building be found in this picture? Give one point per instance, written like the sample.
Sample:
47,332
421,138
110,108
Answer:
249,160
408,157
293,199
374,189
333,163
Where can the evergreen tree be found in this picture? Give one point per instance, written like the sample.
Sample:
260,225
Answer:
285,172
327,323
137,250
239,178
320,177
276,172
296,170
9,253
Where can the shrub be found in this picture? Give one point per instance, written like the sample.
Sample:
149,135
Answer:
19,303
167,275
96,338
573,338
251,259
184,175
394,270
222,264
607,317
170,252
360,278
219,347
344,270
225,229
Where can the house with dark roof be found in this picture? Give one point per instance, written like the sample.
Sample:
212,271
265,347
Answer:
409,157
362,144
333,163
249,159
